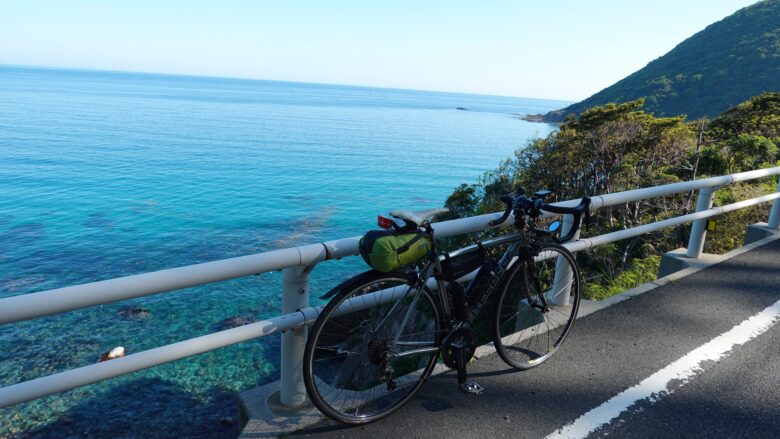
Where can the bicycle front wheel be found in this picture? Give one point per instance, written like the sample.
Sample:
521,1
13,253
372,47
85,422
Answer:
371,348
536,307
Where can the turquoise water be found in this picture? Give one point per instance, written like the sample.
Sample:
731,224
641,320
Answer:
105,174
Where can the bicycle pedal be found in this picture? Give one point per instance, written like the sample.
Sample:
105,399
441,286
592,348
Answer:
471,388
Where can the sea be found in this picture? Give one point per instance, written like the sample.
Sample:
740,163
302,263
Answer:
108,174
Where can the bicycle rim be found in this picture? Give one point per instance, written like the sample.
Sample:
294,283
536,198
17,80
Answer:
525,331
351,368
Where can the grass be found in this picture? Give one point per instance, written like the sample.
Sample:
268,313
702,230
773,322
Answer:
642,271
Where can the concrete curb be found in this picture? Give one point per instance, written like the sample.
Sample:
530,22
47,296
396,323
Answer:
264,417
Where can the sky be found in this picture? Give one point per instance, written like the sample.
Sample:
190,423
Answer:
554,49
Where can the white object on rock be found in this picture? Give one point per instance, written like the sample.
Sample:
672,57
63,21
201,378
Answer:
117,352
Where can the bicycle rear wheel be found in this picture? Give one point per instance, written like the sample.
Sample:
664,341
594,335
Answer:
536,308
371,348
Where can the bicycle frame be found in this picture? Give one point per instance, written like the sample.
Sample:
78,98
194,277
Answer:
515,252
518,250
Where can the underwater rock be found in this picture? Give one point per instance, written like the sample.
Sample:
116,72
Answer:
100,221
117,352
20,283
234,322
134,313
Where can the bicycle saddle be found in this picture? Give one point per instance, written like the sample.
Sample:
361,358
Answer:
419,216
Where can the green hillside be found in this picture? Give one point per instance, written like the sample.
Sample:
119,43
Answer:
619,147
717,68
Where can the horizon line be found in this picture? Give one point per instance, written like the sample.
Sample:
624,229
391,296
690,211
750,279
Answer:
238,78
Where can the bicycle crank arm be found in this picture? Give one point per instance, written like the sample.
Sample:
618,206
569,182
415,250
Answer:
467,387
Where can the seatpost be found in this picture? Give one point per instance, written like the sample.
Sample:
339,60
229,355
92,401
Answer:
429,230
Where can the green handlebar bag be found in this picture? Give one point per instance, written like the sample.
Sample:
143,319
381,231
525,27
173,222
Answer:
386,251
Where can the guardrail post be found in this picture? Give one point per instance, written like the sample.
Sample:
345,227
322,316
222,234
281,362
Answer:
774,215
295,296
563,274
699,229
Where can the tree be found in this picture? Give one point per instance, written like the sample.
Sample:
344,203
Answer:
618,147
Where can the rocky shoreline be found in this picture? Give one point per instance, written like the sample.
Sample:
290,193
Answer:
537,118
533,117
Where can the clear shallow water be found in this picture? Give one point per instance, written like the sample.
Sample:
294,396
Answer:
109,174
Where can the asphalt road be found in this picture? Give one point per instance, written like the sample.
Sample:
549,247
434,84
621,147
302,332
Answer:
612,350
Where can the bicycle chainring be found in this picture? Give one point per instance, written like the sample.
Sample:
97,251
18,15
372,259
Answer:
464,338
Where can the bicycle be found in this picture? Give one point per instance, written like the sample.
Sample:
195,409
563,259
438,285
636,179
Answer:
378,339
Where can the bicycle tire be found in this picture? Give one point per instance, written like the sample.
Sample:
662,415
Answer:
349,372
524,333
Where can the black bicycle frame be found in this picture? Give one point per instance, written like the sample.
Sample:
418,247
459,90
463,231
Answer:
517,252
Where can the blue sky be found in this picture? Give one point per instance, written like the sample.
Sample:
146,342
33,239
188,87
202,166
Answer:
564,49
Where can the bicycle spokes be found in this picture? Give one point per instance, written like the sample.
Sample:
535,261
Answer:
531,321
373,347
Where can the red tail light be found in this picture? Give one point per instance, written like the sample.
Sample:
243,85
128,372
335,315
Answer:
383,222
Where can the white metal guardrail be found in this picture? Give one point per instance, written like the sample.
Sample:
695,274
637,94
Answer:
296,263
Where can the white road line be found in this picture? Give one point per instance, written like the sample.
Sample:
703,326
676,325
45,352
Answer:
658,385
